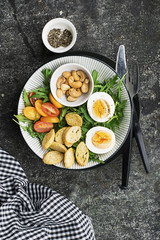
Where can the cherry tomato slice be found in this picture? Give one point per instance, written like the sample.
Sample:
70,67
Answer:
32,99
42,127
50,119
31,113
50,109
54,101
38,106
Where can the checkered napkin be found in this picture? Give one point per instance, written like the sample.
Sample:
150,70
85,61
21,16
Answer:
31,211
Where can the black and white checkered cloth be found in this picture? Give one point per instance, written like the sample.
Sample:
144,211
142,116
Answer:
34,212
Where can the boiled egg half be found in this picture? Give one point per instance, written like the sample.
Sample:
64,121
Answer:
100,106
100,140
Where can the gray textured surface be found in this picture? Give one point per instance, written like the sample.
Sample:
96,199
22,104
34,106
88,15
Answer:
102,26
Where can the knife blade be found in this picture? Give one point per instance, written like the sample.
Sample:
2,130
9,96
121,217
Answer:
121,69
121,65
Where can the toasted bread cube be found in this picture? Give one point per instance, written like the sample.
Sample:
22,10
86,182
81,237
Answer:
82,154
48,139
58,147
71,135
69,158
53,157
73,119
59,135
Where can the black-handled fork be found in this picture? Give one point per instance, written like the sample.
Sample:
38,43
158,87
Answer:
132,84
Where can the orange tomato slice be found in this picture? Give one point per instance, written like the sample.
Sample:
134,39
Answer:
54,101
50,119
31,113
38,105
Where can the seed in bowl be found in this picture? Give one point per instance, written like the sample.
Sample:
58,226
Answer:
58,38
72,84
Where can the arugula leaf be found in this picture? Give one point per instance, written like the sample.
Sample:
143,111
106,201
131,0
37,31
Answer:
95,76
28,128
63,113
47,75
40,136
31,131
23,127
87,117
26,99
42,93
119,88
93,157
21,118
109,84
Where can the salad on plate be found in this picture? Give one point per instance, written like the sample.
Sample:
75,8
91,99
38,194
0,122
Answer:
73,134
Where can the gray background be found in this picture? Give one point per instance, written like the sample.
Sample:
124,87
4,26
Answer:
102,26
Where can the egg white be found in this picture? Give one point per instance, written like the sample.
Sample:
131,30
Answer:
106,97
90,135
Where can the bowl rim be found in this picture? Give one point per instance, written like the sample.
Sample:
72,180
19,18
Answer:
71,104
52,22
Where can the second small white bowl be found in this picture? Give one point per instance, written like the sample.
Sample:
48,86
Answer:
69,67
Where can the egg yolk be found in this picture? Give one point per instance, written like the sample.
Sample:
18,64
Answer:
100,108
102,139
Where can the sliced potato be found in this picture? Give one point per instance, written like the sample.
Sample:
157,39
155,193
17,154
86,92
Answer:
82,154
48,139
73,119
58,147
69,158
71,135
53,157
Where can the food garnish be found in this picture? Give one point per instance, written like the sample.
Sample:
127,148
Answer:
72,125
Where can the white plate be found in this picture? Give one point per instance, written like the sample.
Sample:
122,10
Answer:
104,72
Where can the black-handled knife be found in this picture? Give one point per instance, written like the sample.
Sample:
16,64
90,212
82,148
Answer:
121,69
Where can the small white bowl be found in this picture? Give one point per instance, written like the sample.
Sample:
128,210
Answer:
62,24
70,67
